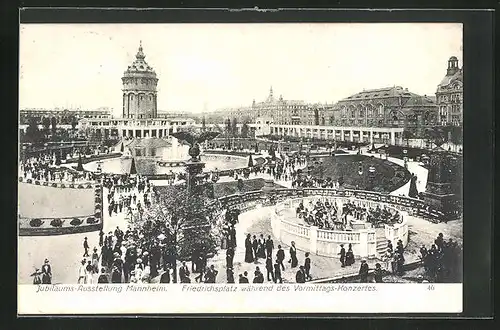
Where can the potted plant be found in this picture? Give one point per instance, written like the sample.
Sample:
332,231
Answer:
56,223
76,222
36,223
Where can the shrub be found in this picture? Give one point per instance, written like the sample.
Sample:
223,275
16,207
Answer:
36,222
72,185
98,214
76,222
56,223
98,200
80,186
97,206
89,185
54,185
45,183
29,180
37,182
91,220
63,185
20,179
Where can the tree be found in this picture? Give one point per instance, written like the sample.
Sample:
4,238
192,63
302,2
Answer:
189,223
53,122
234,127
244,130
228,126
250,161
46,124
203,123
32,131
407,135
436,135
133,170
456,135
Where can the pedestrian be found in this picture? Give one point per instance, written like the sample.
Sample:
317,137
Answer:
95,260
116,275
86,247
378,273
277,272
46,272
363,272
165,276
349,257
230,275
248,249
255,246
342,255
280,256
243,278
36,279
258,276
269,269
89,272
103,278
229,257
269,246
293,255
82,273
184,273
101,238
300,276
307,267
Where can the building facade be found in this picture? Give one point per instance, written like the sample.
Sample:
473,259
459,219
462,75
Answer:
280,110
387,107
139,89
449,95
63,116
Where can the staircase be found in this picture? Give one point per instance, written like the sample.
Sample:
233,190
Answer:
381,245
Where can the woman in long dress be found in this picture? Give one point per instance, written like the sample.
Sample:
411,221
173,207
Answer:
293,255
349,257
248,250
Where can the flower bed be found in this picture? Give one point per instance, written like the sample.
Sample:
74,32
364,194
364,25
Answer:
58,226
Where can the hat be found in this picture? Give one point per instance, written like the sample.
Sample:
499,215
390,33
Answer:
46,261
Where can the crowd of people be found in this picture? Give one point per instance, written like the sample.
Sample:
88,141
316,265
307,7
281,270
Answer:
42,168
442,261
263,248
324,215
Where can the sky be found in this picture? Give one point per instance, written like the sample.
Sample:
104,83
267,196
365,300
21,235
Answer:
204,67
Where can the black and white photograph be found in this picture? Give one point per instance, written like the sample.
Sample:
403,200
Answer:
173,162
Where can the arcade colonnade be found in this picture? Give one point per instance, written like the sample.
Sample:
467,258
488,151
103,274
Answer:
391,135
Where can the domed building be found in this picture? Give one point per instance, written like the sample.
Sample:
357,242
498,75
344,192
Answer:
139,118
449,95
139,89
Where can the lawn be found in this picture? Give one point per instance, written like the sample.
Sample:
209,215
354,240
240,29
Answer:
388,176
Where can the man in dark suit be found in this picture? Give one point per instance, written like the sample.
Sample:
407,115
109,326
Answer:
86,247
280,256
255,246
342,255
307,267
230,276
300,277
269,246
269,268
184,273
229,257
